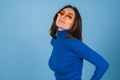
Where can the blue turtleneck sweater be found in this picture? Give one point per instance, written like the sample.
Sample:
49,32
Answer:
67,58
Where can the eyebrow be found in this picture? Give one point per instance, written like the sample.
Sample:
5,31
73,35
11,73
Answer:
68,13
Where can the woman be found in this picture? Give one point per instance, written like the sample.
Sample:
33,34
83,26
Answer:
68,49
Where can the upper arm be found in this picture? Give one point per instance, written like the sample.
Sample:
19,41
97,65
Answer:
85,52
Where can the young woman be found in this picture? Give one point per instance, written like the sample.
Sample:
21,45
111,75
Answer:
68,49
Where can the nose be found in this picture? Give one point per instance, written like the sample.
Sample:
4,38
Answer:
63,17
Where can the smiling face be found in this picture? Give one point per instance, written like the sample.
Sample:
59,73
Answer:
65,19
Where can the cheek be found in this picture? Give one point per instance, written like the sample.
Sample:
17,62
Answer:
70,23
57,20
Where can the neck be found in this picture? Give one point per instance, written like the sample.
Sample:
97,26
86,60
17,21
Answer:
62,33
60,29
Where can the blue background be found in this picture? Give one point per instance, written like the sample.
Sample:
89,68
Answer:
25,41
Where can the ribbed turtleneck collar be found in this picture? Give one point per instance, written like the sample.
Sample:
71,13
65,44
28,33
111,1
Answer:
61,33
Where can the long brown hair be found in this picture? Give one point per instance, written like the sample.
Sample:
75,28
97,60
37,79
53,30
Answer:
75,31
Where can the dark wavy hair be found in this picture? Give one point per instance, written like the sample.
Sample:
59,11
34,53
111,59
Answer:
75,31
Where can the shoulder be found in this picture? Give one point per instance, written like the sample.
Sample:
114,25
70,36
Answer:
74,42
52,42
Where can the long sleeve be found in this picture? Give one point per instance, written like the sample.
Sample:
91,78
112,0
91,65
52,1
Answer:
67,58
84,52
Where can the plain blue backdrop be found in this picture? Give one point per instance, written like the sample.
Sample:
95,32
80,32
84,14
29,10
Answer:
25,41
